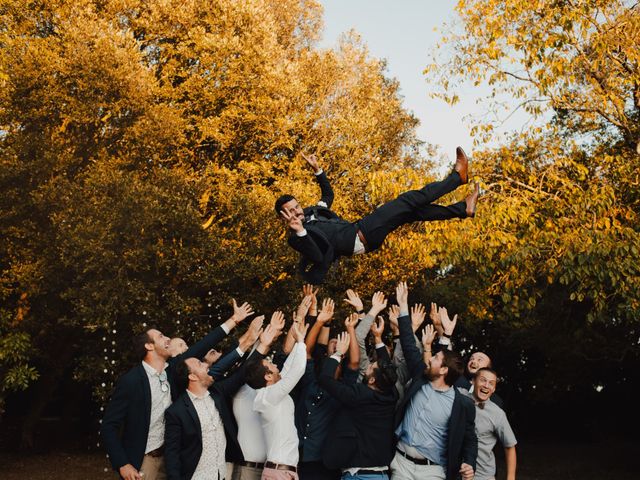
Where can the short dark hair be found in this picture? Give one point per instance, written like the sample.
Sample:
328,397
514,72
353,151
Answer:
453,361
181,375
487,369
139,344
386,376
282,199
255,372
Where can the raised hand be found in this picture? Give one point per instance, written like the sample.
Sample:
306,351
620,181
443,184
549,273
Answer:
342,345
326,313
212,357
312,161
377,327
307,290
378,303
254,330
428,335
304,306
277,320
447,324
394,313
241,312
435,318
351,321
353,299
299,331
269,334
402,295
418,312
293,221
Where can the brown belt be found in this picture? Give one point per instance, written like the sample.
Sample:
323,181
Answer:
158,452
280,466
362,239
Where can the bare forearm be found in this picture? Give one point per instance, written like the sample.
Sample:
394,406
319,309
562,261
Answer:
510,460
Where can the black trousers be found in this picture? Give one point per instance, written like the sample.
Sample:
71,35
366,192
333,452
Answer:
409,207
316,471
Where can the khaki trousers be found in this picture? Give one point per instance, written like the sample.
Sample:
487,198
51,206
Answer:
153,468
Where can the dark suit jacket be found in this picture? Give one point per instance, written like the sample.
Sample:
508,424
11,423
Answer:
327,238
183,435
125,426
361,434
462,442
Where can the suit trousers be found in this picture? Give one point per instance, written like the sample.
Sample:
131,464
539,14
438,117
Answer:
409,207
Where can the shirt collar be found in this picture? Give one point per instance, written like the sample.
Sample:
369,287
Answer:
193,396
152,371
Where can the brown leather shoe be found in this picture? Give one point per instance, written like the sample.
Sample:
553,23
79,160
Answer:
471,201
462,165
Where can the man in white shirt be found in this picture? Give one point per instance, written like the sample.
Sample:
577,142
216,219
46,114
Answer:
250,436
276,407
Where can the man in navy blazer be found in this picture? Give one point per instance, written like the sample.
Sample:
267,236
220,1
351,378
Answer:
434,423
203,410
132,429
321,236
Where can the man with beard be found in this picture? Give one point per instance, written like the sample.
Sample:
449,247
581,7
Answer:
201,431
361,440
435,422
133,425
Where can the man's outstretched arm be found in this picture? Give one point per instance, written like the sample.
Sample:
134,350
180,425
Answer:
326,198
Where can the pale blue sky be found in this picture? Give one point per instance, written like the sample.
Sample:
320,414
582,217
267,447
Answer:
402,31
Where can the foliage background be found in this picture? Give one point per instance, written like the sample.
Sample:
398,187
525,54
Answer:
143,145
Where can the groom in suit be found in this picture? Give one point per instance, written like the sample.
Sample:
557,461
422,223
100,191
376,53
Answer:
322,237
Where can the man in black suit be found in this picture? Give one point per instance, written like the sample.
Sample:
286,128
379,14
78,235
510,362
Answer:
322,237
360,441
201,431
133,425
435,423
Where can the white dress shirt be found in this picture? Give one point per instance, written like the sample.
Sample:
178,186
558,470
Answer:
250,434
160,401
211,464
276,409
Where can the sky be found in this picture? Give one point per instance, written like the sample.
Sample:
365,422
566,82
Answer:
404,32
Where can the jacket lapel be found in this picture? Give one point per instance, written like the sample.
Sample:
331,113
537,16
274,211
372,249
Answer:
146,394
192,411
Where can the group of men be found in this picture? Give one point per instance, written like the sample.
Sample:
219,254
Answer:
320,407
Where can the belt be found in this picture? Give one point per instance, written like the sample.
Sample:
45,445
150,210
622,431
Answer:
280,466
251,464
362,239
364,471
417,461
158,452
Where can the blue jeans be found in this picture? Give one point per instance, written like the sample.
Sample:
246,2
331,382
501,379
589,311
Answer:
367,476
